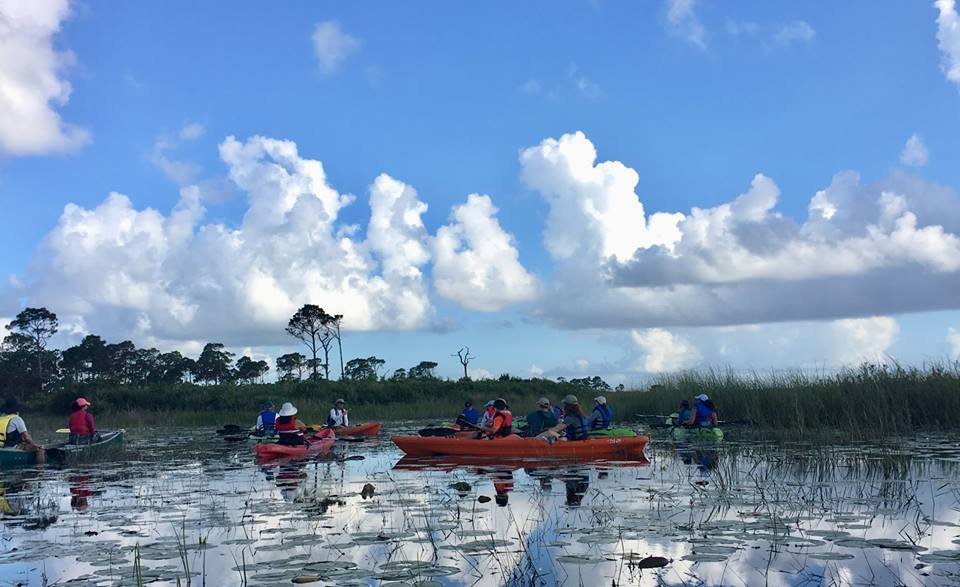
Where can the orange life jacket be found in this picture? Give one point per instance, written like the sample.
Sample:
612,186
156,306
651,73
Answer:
502,423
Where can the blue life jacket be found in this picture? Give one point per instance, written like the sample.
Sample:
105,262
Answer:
558,413
606,417
471,415
268,418
682,417
703,415
580,432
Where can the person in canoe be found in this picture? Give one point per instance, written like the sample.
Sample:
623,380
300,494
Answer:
289,428
574,425
338,415
82,429
602,416
542,419
704,413
13,430
502,422
470,414
266,420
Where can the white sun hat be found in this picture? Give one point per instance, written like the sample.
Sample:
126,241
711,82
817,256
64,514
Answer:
287,409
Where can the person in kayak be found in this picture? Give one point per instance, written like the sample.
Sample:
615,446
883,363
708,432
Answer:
470,414
486,419
338,415
542,419
289,428
704,413
82,429
574,425
602,416
680,417
13,430
266,420
502,422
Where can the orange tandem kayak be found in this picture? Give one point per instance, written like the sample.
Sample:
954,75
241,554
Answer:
367,429
518,447
320,442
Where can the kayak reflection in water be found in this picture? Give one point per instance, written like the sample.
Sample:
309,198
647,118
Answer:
577,487
704,458
79,492
503,485
290,477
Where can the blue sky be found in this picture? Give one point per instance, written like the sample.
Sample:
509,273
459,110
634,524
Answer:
696,97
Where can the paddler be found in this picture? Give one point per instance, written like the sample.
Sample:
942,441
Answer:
704,414
502,422
470,414
13,430
267,420
82,428
602,416
289,428
542,419
338,415
487,417
574,425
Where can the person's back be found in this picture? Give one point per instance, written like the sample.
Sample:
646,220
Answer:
471,414
539,421
267,420
602,416
575,426
12,428
704,412
288,430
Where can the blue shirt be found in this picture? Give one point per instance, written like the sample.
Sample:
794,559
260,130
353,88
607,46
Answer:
471,415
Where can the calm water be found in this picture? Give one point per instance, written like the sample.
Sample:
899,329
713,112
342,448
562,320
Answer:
185,502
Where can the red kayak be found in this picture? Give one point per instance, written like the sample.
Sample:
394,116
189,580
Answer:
319,442
368,429
518,447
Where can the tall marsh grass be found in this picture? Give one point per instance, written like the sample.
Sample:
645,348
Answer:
868,400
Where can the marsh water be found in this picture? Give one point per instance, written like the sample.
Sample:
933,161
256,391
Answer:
182,504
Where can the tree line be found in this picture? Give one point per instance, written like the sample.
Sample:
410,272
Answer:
28,365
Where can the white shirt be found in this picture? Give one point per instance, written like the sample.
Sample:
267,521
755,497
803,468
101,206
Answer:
339,417
16,423
486,419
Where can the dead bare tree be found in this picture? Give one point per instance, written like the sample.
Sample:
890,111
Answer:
465,358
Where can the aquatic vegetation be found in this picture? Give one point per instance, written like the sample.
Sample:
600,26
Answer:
186,509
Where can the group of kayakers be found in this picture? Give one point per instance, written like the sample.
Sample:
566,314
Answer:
548,422
703,414
288,428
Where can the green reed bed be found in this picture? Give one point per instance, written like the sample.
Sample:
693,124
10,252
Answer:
872,400
869,400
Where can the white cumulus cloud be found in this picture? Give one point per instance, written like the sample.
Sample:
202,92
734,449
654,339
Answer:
661,351
32,85
864,339
332,46
796,31
864,250
948,38
475,261
953,341
683,21
181,279
914,152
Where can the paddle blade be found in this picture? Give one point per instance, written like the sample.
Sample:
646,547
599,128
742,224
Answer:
63,431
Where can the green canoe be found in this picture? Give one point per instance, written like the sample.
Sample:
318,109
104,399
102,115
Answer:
705,434
14,457
109,443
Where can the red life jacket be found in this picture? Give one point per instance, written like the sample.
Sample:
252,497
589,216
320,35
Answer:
286,427
506,423
78,423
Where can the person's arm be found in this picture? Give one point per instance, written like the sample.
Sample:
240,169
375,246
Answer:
300,425
90,425
594,417
260,422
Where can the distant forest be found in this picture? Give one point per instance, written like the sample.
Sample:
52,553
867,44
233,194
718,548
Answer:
28,367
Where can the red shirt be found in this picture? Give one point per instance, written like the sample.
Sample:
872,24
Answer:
81,423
